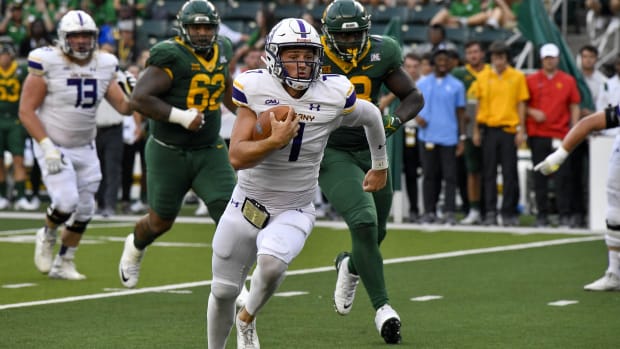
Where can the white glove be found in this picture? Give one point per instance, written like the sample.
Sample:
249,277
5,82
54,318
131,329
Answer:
552,162
183,117
53,156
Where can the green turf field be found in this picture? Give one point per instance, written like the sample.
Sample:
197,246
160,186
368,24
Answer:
453,289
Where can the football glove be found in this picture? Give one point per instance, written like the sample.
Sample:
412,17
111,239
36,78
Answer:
552,162
127,82
391,123
53,156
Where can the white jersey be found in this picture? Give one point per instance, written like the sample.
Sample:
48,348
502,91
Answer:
288,177
73,93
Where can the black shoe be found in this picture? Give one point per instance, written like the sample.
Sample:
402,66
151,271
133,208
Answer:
541,222
564,222
428,218
577,221
490,219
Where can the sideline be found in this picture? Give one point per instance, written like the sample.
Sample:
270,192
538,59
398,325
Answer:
308,271
522,230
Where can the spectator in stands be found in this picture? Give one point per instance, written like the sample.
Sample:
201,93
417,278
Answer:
411,152
265,20
443,116
462,13
501,93
588,55
436,39
236,37
603,7
504,14
128,9
126,43
39,10
552,109
608,94
475,64
38,36
102,11
425,65
13,24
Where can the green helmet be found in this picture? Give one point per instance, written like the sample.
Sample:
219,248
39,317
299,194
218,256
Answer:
344,18
198,12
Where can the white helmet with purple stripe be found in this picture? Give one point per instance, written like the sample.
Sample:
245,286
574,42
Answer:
74,22
293,32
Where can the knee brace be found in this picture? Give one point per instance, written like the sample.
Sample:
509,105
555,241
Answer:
224,289
612,236
56,216
78,226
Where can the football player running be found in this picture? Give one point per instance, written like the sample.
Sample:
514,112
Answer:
609,118
64,85
271,212
180,91
368,61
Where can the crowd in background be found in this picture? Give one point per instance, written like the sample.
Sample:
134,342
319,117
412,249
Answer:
31,23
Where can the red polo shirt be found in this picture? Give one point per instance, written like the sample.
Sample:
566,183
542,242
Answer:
554,97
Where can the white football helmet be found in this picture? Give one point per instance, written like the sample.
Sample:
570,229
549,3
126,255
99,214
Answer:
77,21
293,32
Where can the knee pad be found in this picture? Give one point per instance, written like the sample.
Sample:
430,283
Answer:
57,217
224,289
78,226
86,207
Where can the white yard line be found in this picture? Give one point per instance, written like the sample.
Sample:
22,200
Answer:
308,271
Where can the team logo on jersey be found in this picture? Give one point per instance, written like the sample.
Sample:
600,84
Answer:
326,69
375,57
272,102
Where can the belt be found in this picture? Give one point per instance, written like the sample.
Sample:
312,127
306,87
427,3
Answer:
107,127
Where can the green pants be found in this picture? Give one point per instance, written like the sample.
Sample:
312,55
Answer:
171,172
366,214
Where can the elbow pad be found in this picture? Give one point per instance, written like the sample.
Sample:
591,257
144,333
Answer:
611,116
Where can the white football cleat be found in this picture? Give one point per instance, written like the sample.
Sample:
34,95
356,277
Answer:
24,204
242,298
346,283
473,217
129,266
44,250
64,269
388,324
202,209
246,334
609,282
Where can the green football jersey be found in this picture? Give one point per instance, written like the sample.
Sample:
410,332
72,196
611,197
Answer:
381,56
196,83
11,81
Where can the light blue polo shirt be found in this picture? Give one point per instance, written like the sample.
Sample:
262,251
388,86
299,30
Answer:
442,96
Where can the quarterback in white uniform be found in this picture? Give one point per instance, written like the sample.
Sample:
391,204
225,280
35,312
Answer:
607,119
65,84
270,214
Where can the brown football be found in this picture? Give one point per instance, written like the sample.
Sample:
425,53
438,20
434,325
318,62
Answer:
262,129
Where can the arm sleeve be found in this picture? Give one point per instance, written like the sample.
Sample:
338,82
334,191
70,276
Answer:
368,115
